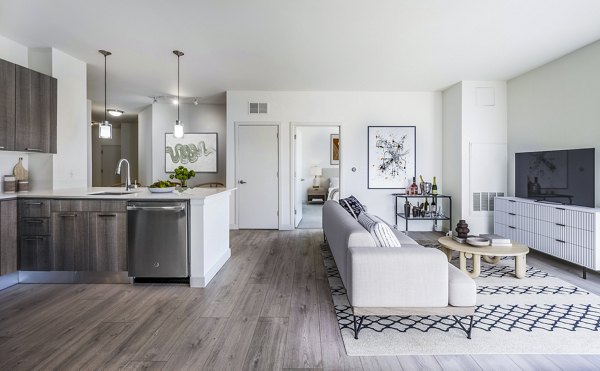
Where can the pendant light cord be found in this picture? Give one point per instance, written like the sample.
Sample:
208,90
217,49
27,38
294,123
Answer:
105,53
105,88
178,100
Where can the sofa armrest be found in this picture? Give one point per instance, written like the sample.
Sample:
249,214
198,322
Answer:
397,277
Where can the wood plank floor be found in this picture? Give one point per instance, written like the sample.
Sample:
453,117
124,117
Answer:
268,308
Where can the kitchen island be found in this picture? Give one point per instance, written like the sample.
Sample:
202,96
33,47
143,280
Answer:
208,233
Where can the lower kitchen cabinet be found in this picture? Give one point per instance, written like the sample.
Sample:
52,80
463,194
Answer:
69,248
73,235
8,237
34,253
108,241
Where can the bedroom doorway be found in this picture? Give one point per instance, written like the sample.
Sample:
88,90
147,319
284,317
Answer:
316,171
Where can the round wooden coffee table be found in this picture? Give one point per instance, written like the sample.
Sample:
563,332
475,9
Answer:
491,254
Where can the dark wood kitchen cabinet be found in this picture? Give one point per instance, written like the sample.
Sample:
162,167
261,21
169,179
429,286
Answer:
7,105
8,237
34,234
73,235
108,241
34,253
36,112
69,247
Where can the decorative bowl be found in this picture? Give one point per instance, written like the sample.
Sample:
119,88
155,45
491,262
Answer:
478,241
162,190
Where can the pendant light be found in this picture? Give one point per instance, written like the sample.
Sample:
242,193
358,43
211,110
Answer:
178,128
105,129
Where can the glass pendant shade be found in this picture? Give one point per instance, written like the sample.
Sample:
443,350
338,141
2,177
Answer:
105,130
178,129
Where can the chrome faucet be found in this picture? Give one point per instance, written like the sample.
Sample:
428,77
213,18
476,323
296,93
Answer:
128,185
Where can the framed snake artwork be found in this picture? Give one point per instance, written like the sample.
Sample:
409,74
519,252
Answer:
195,151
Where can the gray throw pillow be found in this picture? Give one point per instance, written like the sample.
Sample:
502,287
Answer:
379,230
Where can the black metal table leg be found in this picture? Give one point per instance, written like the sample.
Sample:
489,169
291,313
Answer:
357,328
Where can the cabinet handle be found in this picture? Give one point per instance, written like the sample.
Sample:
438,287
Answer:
560,208
107,215
561,241
511,227
34,238
512,201
36,221
68,215
512,214
34,150
34,203
560,225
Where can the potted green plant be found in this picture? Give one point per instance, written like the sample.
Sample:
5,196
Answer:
183,175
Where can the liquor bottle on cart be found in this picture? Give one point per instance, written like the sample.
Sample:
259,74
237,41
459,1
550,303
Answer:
413,189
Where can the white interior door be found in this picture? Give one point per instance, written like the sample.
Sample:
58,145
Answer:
110,156
298,180
257,176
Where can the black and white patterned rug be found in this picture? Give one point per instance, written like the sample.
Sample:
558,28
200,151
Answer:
538,314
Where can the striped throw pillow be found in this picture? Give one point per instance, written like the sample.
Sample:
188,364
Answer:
380,231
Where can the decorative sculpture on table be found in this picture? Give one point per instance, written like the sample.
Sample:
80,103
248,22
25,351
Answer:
462,229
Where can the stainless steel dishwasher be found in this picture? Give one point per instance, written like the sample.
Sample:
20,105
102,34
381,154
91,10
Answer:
157,239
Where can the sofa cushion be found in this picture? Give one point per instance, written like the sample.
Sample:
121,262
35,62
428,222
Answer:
462,291
381,232
352,206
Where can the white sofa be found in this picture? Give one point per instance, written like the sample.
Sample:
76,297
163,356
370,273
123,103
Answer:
403,281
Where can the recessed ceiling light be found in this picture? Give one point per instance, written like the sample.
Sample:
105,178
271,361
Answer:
114,112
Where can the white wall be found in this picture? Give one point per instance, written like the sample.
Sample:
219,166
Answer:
475,118
70,162
315,152
145,146
203,118
452,148
15,53
89,143
556,106
354,111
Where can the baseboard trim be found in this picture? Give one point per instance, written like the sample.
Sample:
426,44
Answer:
9,280
286,227
203,281
73,277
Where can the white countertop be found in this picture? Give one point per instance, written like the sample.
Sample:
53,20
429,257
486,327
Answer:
136,194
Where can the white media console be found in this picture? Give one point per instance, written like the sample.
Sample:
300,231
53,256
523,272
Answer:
567,232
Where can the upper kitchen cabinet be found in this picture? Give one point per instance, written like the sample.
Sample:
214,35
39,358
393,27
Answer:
7,106
36,121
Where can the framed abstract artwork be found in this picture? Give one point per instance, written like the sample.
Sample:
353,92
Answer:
334,149
195,151
391,156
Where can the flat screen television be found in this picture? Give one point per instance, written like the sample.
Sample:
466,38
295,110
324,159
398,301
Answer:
565,176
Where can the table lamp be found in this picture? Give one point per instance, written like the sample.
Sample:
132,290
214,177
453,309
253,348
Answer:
316,172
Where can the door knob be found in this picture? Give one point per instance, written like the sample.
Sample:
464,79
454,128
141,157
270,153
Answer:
242,182
302,179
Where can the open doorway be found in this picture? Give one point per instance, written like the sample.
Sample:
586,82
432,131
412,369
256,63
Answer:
106,153
316,173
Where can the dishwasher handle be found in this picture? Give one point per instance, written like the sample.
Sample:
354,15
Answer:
157,208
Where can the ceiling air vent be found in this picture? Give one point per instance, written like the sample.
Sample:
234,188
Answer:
484,201
258,108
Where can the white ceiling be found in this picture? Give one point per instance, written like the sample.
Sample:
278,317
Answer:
385,45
